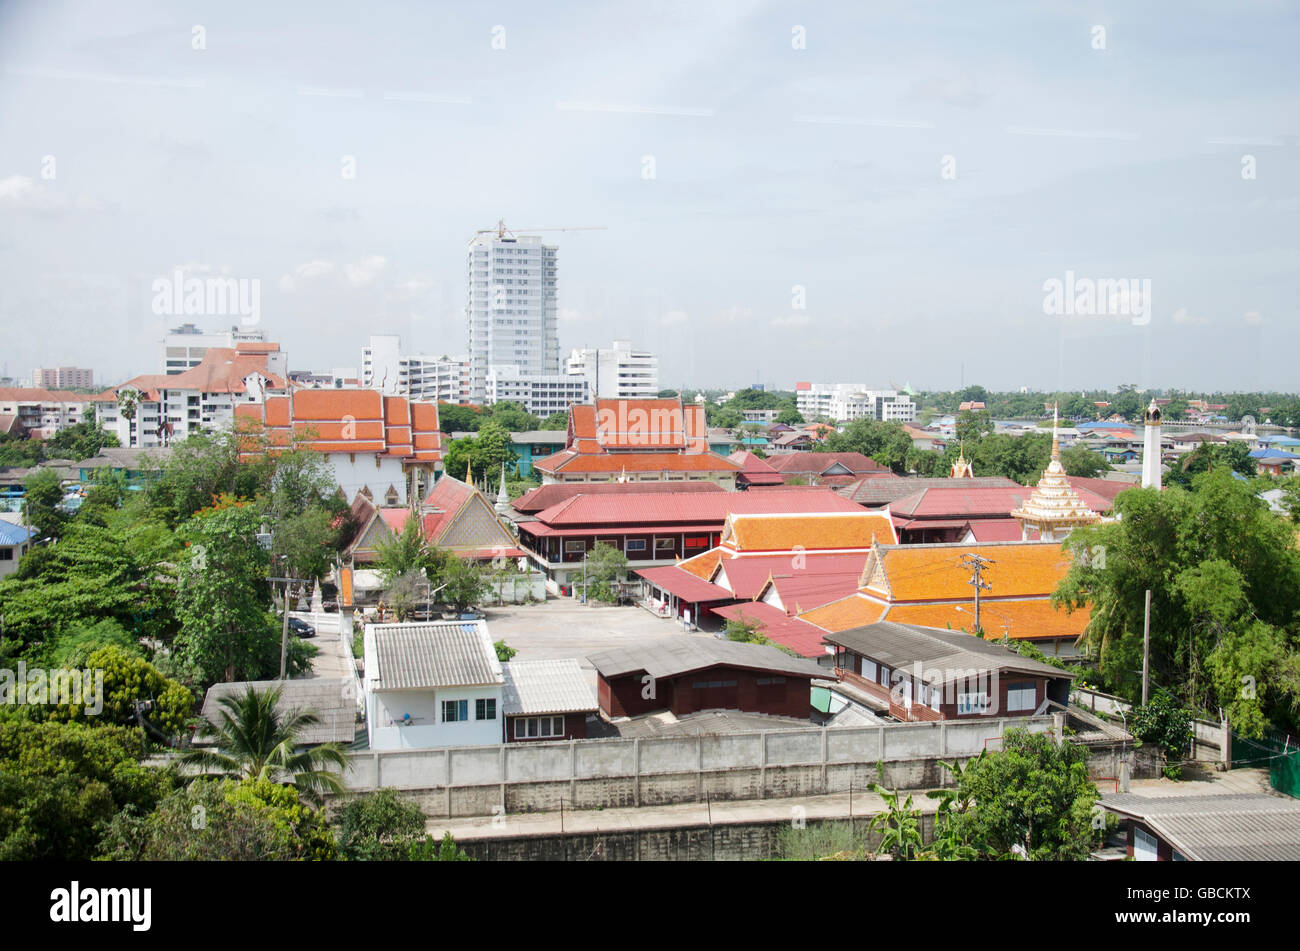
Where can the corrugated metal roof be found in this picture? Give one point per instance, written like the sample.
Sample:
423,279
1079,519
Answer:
11,534
1232,828
546,686
332,700
680,655
434,654
901,645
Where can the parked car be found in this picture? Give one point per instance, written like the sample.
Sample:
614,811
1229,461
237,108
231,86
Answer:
301,627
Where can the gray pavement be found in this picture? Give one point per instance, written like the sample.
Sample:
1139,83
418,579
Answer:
680,815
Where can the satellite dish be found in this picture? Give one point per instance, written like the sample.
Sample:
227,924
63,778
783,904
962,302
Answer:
1248,425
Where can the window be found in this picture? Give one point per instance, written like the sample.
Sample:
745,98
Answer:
869,670
527,728
884,675
665,544
1146,847
575,545
972,702
454,711
636,544
1022,696
769,681
711,684
485,709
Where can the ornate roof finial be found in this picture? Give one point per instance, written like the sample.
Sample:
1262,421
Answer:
1056,440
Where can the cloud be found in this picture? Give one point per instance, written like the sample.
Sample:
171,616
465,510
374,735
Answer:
673,318
570,315
306,273
791,320
409,290
365,272
1253,318
21,193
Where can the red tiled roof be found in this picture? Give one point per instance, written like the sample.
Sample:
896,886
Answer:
801,637
684,584
794,572
222,370
754,470
663,507
542,497
36,394
998,530
567,461
956,500
881,490
815,463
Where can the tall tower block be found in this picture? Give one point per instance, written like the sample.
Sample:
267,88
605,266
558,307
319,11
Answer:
1151,447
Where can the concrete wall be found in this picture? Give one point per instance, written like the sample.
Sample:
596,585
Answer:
1207,736
476,781
516,589
732,842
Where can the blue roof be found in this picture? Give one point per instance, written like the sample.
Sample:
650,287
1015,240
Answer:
11,534
1280,440
1273,454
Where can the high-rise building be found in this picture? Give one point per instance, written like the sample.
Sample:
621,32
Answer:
51,378
383,367
184,346
618,372
510,308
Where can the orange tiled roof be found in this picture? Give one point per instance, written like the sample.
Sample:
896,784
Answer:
810,531
30,394
703,564
1019,618
846,613
222,370
350,421
936,572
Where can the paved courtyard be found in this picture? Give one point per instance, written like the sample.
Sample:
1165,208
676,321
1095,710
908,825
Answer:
562,628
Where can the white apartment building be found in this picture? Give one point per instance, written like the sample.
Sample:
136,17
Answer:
42,412
443,379
184,346
619,372
171,407
510,308
539,395
845,402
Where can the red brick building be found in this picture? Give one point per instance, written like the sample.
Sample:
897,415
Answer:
690,674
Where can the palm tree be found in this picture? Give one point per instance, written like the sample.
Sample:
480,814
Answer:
255,741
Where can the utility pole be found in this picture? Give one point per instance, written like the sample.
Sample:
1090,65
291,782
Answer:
977,564
1146,647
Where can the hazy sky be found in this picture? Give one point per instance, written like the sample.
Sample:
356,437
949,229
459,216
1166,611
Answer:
915,173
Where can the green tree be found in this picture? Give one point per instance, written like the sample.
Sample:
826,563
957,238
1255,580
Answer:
1225,580
401,553
461,579
254,820
379,827
899,825
458,419
512,418
1032,799
446,850
1083,463
252,739
885,442
42,493
129,680
226,632
973,425
504,651
81,441
556,421
605,566
61,784
1168,724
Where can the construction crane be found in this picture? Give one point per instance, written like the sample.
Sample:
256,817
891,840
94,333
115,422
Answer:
501,229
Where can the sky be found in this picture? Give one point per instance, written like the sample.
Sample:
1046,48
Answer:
860,192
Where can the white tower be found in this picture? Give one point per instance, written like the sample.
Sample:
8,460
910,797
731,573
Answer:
1151,447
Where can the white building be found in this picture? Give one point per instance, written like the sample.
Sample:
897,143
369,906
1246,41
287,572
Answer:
171,407
431,684
42,413
510,307
385,368
539,395
184,346
619,372
845,402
